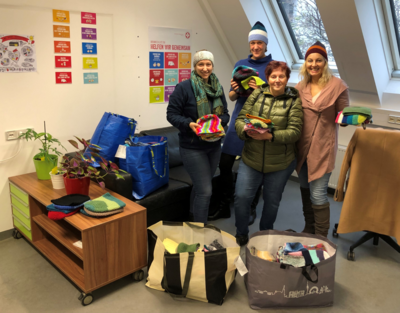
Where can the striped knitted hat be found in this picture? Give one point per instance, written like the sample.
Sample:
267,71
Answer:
258,32
317,47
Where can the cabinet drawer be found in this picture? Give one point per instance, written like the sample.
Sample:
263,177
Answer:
22,228
20,205
25,220
22,195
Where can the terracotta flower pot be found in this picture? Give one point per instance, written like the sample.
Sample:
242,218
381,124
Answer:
77,185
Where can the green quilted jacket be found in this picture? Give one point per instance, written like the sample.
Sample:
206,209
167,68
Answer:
286,113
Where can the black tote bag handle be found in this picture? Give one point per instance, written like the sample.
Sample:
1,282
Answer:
307,275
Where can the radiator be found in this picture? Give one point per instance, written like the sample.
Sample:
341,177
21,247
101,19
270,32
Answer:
338,165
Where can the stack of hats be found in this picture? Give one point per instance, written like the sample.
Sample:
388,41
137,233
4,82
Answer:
258,124
210,128
66,206
355,116
242,75
105,205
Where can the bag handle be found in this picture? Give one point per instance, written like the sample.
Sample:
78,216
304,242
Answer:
307,275
154,163
188,275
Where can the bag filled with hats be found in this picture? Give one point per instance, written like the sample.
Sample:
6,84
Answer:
191,260
287,269
111,132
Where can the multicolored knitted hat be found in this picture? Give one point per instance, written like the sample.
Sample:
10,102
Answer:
258,32
210,128
317,47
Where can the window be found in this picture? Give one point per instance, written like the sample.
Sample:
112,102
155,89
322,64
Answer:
395,8
304,25
391,9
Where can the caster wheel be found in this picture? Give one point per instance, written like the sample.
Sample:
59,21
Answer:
334,233
16,234
86,299
138,276
351,256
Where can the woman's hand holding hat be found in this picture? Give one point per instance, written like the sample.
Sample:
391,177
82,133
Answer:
234,85
193,126
253,84
257,136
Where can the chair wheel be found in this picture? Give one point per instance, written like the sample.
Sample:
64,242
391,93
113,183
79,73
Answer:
138,276
351,256
16,234
86,299
334,233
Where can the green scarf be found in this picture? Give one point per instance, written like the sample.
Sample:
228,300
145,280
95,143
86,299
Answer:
202,90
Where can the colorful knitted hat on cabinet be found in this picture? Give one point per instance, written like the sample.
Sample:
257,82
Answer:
258,32
317,47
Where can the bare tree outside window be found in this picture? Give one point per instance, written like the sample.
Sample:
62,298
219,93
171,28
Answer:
395,5
305,25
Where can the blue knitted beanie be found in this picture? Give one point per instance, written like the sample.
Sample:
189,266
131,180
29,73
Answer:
258,32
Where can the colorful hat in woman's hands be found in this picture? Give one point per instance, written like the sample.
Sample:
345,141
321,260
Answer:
210,128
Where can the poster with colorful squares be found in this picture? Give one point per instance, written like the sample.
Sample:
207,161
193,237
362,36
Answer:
168,91
169,51
156,59
156,77
184,75
170,77
156,94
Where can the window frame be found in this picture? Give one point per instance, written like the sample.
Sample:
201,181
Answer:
289,34
392,31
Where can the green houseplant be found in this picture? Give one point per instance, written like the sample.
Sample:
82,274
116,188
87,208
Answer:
47,158
79,169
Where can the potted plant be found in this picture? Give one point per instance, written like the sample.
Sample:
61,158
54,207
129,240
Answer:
78,170
47,158
57,178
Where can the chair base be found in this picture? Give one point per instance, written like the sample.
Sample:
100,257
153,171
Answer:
369,235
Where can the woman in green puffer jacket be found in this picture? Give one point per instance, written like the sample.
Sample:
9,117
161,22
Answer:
268,157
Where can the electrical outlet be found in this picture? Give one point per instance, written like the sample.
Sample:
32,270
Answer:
14,134
392,119
398,120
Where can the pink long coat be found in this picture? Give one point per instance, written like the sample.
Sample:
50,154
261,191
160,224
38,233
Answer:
318,142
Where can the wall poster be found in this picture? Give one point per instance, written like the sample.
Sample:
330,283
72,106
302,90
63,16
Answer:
169,53
17,54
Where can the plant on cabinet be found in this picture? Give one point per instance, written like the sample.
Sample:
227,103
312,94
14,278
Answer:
79,170
47,158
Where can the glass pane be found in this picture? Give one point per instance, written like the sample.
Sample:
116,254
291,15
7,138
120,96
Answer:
395,6
305,25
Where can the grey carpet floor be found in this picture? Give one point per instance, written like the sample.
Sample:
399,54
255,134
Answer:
29,283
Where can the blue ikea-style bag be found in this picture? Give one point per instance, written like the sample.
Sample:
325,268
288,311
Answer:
147,162
111,132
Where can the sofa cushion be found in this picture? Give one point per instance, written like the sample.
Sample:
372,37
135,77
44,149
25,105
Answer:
168,203
173,143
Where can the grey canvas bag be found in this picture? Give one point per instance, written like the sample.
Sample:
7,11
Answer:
271,284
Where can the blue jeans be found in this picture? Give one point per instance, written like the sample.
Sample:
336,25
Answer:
247,184
201,166
318,188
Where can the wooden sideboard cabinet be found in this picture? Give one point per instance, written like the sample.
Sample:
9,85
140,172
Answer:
112,247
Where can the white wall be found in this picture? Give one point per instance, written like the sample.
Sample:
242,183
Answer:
27,99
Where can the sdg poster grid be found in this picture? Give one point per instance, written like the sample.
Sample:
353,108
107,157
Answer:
170,61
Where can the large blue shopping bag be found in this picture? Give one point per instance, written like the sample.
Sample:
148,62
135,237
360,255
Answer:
111,132
147,162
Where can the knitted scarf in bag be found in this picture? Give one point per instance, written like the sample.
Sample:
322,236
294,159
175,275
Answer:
202,90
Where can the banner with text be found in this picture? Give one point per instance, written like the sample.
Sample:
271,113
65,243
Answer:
169,51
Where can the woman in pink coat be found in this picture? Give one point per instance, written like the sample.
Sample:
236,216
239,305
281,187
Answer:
323,96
